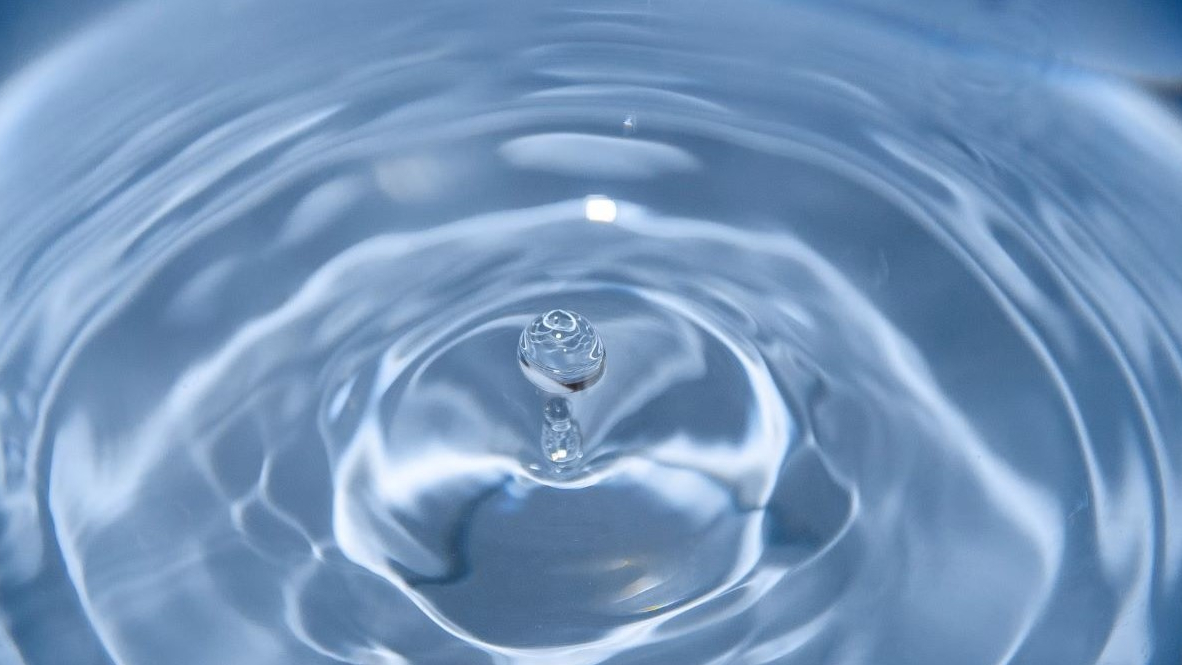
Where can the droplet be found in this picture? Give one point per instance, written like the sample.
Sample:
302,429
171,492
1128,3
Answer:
560,352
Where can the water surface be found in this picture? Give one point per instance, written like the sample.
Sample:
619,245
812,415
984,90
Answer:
892,306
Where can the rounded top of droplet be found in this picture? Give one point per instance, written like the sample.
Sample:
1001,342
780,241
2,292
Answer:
560,352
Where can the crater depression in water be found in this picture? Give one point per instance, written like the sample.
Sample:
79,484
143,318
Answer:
892,321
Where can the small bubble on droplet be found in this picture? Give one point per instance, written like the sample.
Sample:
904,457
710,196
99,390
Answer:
560,352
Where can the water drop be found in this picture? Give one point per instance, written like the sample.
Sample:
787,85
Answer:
560,352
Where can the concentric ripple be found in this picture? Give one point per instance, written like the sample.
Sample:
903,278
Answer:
894,334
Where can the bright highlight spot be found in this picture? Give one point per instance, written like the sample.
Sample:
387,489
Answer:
599,209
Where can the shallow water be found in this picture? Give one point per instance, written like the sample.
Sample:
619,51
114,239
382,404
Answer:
891,310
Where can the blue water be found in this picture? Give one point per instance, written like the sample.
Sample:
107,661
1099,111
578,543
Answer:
890,296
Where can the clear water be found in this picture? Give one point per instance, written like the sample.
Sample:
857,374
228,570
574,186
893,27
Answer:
892,300
560,352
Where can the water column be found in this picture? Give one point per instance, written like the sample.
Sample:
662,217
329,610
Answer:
561,353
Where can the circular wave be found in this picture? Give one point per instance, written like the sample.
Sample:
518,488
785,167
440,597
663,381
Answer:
894,345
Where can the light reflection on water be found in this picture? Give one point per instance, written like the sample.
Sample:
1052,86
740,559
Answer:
891,301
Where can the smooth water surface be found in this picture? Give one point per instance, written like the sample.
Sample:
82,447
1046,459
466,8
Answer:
893,308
